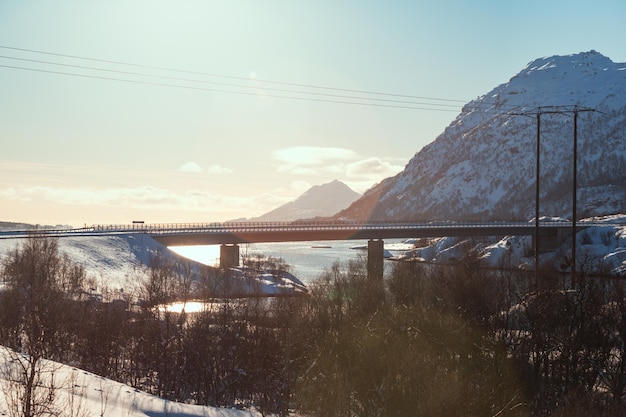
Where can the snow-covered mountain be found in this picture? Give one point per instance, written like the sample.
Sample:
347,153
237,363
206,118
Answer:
483,165
319,201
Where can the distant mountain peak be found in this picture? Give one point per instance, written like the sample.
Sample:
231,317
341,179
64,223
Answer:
318,201
590,58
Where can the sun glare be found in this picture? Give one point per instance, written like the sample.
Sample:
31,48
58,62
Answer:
188,307
206,254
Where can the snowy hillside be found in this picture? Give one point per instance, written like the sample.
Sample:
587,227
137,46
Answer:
483,165
80,393
599,248
116,265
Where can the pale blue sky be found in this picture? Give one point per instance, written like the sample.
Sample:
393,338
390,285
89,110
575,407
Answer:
77,150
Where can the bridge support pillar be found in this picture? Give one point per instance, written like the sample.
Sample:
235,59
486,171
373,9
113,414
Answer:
375,258
550,239
229,256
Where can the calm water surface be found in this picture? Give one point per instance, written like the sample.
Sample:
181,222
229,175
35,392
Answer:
307,259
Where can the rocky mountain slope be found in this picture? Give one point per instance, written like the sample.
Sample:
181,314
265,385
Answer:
319,201
482,167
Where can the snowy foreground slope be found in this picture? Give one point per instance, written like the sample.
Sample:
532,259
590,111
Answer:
80,393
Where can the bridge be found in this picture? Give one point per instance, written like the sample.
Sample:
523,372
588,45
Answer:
179,234
546,234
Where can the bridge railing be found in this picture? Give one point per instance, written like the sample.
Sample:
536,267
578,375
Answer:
302,226
163,228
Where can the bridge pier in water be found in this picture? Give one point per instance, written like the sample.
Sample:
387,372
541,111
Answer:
375,258
229,256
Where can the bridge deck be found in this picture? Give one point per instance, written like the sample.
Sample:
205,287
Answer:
255,232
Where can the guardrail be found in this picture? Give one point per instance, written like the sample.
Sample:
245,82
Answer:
216,228
298,226
305,226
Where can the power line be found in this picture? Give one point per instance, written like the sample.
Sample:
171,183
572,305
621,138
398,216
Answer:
223,84
312,86
434,104
224,91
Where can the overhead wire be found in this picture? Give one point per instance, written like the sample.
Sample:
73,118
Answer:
491,109
225,91
218,83
431,104
256,80
398,101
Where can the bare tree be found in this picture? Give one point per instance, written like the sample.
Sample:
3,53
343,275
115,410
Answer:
42,285
30,387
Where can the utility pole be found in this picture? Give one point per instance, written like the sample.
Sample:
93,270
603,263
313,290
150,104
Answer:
537,177
556,110
574,199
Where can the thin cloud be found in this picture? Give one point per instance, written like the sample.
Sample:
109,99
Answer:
194,168
219,170
313,155
10,193
372,168
296,170
191,168
334,163
313,160
145,198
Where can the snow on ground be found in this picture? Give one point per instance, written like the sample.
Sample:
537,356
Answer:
80,393
403,246
269,282
597,247
112,263
443,250
116,265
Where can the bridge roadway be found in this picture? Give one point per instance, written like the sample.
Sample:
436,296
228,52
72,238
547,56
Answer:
182,234
229,235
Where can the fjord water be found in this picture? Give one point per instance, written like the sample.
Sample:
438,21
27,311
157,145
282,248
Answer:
307,260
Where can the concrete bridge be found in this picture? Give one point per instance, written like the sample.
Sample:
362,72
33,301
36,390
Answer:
230,235
547,235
